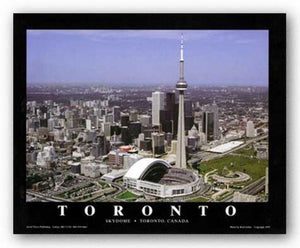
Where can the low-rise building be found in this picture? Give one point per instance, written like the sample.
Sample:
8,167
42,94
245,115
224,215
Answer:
92,170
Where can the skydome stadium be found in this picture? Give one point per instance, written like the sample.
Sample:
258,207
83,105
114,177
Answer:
157,177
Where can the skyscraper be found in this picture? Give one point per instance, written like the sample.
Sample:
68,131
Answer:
208,125
158,143
135,128
105,127
210,122
125,135
188,107
181,86
167,116
124,120
99,147
170,104
116,113
158,102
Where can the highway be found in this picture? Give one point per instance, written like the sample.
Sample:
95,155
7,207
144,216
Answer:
45,197
255,187
49,197
251,189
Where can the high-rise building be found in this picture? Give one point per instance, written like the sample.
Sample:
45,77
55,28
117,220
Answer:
105,127
208,125
124,120
158,102
188,122
43,109
116,113
158,143
181,86
165,121
100,146
115,129
43,122
108,118
250,130
133,115
88,124
188,107
125,135
135,128
168,116
145,120
193,139
210,122
102,112
170,104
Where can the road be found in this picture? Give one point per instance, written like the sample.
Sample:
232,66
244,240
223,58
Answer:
50,197
255,187
45,197
251,189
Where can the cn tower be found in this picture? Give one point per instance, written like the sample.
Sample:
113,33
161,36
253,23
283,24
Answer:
181,86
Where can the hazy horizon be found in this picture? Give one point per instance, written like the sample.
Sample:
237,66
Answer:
147,57
141,84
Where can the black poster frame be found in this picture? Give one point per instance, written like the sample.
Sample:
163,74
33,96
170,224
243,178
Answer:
271,215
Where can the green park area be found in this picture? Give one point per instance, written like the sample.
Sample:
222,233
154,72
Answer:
128,196
251,166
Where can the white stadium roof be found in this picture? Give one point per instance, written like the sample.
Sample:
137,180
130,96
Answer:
139,167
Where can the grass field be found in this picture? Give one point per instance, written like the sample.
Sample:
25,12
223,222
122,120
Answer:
252,166
127,196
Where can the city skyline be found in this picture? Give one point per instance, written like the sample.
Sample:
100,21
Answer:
121,145
214,57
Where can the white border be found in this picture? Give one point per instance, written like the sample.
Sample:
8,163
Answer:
291,7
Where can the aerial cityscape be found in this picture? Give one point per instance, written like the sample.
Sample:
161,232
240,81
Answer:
148,142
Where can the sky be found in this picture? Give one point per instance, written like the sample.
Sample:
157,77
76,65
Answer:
212,57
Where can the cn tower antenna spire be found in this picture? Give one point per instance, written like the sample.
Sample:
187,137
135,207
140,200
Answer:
181,48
